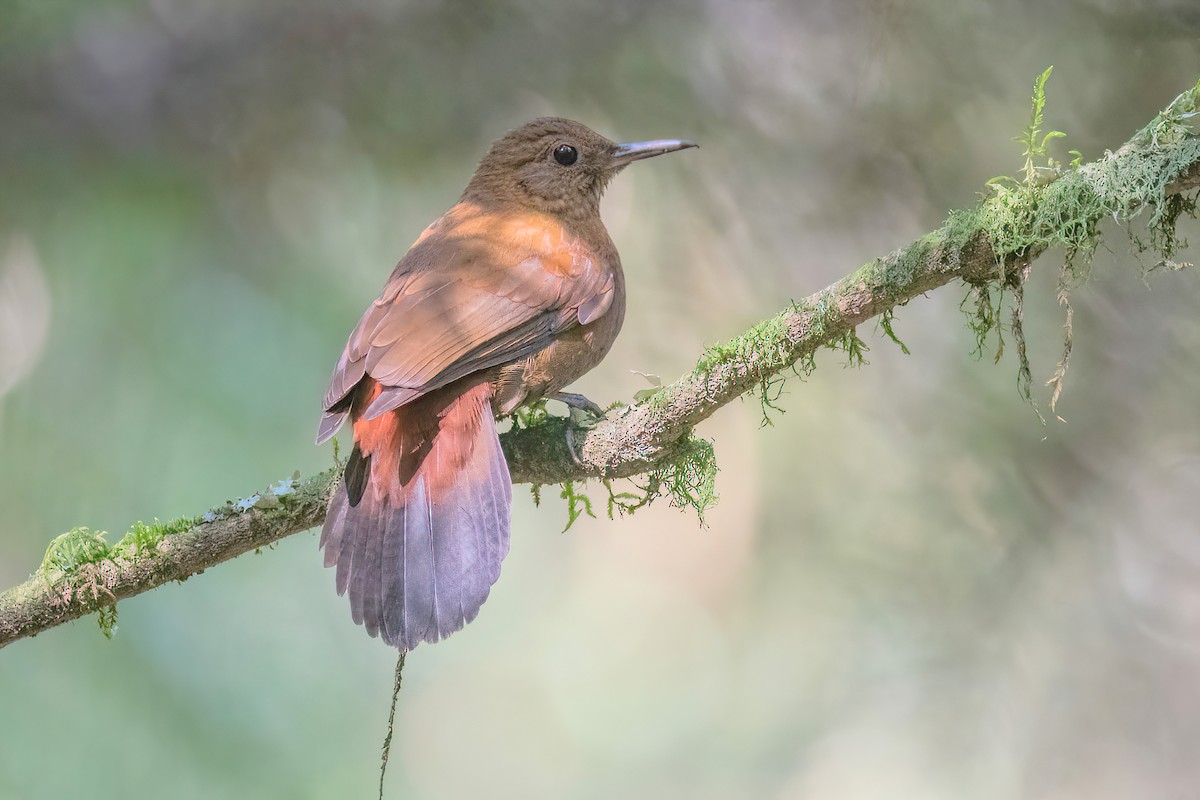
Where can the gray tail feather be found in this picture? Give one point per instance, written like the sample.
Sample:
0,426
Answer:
419,572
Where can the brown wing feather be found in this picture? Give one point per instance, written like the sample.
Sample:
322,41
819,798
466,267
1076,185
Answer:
477,290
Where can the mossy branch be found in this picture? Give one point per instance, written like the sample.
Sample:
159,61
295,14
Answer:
989,247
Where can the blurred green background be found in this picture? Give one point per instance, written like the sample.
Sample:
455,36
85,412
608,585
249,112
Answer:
910,589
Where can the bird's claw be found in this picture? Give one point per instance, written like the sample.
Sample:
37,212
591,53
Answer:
584,413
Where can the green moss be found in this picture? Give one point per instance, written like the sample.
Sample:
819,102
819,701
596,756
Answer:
754,344
885,323
83,561
1035,143
1063,207
767,350
1052,206
854,348
689,480
983,318
578,504
769,390
620,502
142,537
531,416
80,550
106,618
71,550
1164,128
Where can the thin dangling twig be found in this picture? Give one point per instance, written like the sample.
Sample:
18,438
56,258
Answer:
387,740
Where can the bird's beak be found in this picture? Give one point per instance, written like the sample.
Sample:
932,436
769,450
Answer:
636,151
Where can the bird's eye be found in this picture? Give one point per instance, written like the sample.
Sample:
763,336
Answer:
565,154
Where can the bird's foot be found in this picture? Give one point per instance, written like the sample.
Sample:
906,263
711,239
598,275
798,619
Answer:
584,414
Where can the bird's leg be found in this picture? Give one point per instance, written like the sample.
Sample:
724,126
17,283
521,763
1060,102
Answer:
584,414
570,435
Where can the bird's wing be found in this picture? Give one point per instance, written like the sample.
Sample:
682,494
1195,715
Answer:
475,291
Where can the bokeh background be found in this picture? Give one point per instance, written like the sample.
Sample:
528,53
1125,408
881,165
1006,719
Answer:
910,588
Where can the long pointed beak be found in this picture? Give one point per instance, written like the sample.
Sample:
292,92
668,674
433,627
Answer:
636,151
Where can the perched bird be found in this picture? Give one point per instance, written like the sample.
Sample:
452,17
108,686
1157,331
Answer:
507,298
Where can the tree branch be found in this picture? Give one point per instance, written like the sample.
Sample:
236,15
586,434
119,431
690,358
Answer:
992,244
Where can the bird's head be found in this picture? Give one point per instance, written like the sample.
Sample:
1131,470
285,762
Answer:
557,166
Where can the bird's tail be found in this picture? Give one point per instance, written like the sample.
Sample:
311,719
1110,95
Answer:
420,522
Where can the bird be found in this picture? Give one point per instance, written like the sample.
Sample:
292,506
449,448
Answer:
506,299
